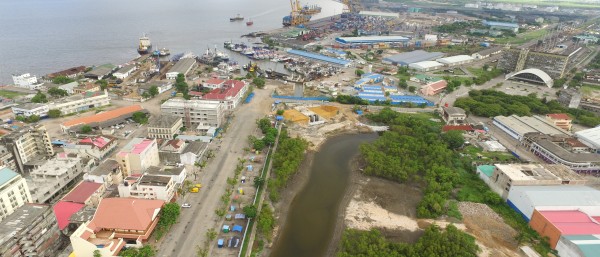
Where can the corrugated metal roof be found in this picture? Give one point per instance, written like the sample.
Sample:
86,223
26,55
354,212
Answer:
425,65
319,57
590,136
563,195
6,175
413,57
455,59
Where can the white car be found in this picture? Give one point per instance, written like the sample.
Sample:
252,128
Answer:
186,205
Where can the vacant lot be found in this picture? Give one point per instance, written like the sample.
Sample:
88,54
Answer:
9,94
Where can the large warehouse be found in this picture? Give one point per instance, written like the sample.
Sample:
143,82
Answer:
590,137
425,66
405,59
455,60
371,40
517,126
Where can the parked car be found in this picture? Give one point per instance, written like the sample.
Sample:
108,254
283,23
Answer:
186,205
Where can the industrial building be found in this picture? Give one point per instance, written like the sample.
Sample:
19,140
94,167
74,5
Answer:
410,99
572,223
183,66
372,40
425,66
563,150
407,58
368,78
488,52
504,176
517,126
100,72
455,60
502,26
196,114
125,71
590,137
320,58
103,119
526,199
515,60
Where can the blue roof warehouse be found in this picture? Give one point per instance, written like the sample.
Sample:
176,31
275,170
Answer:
320,57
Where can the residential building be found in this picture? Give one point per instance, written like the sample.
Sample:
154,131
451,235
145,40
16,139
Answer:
125,71
96,147
30,231
107,173
230,95
69,87
164,126
590,137
26,80
178,174
517,127
103,119
100,72
51,178
13,192
80,102
86,87
162,86
553,149
453,115
505,176
560,120
153,187
526,199
213,83
138,155
136,220
183,66
27,144
176,151
28,109
434,88
195,112
69,73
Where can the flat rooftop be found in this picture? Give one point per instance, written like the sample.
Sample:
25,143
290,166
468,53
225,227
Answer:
528,124
523,172
154,180
413,57
19,220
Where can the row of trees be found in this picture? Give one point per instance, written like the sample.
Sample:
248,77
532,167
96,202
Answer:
286,161
169,214
269,132
449,242
490,103
414,151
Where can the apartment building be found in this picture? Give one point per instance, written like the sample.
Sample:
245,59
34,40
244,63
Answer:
138,155
30,231
28,144
81,102
51,178
14,192
165,126
107,173
28,109
153,187
195,113
97,147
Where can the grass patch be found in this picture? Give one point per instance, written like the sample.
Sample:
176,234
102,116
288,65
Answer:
523,37
9,94
571,4
475,153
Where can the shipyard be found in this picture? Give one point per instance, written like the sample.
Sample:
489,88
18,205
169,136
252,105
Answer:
305,128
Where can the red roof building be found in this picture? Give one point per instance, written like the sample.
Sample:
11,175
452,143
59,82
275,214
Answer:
213,83
560,120
63,212
83,192
128,217
554,224
230,93
434,88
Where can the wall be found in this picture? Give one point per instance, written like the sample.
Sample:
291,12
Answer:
545,228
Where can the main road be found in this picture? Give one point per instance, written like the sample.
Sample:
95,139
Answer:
190,231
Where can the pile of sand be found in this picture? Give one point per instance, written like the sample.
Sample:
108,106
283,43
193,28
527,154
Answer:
366,215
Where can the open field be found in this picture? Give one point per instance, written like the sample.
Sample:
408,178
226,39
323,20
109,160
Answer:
9,94
571,4
523,37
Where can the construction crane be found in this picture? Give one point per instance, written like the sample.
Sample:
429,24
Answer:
296,18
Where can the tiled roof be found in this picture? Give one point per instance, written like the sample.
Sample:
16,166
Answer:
64,210
126,213
558,116
104,116
572,222
99,141
82,192
215,81
230,89
438,85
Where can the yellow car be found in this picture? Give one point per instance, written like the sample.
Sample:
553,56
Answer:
198,186
194,190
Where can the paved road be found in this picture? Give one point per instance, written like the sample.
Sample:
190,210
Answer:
189,232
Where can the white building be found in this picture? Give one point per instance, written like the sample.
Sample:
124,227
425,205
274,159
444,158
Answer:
455,60
195,112
164,126
151,187
108,173
81,102
27,144
49,178
125,71
69,87
183,66
177,173
590,137
26,80
98,147
425,66
138,155
13,192
28,109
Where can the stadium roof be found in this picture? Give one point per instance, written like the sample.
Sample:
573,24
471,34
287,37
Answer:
413,57
320,57
371,39
536,72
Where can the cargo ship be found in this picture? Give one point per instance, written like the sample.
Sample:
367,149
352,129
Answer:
237,18
145,45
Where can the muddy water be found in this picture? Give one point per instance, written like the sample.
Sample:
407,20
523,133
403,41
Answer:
312,215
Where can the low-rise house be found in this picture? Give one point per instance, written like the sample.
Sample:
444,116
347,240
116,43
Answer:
162,86
31,230
96,147
434,88
148,187
107,173
560,120
86,87
13,192
178,151
165,127
213,83
125,71
84,194
28,109
454,115
136,220
138,155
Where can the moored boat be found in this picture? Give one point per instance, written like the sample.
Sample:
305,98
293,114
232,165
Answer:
145,46
238,17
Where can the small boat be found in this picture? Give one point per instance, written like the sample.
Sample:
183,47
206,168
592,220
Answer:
161,52
249,23
237,18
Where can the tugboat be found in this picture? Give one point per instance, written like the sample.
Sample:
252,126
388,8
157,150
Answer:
249,23
237,18
162,52
145,45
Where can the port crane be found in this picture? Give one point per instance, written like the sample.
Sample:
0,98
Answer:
296,17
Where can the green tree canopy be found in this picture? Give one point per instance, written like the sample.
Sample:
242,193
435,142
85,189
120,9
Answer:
57,92
62,80
54,113
453,138
139,117
259,82
39,98
250,211
153,91
85,129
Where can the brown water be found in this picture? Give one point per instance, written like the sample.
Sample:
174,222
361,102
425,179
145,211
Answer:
312,215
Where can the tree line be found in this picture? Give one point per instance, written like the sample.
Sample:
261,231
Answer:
286,161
